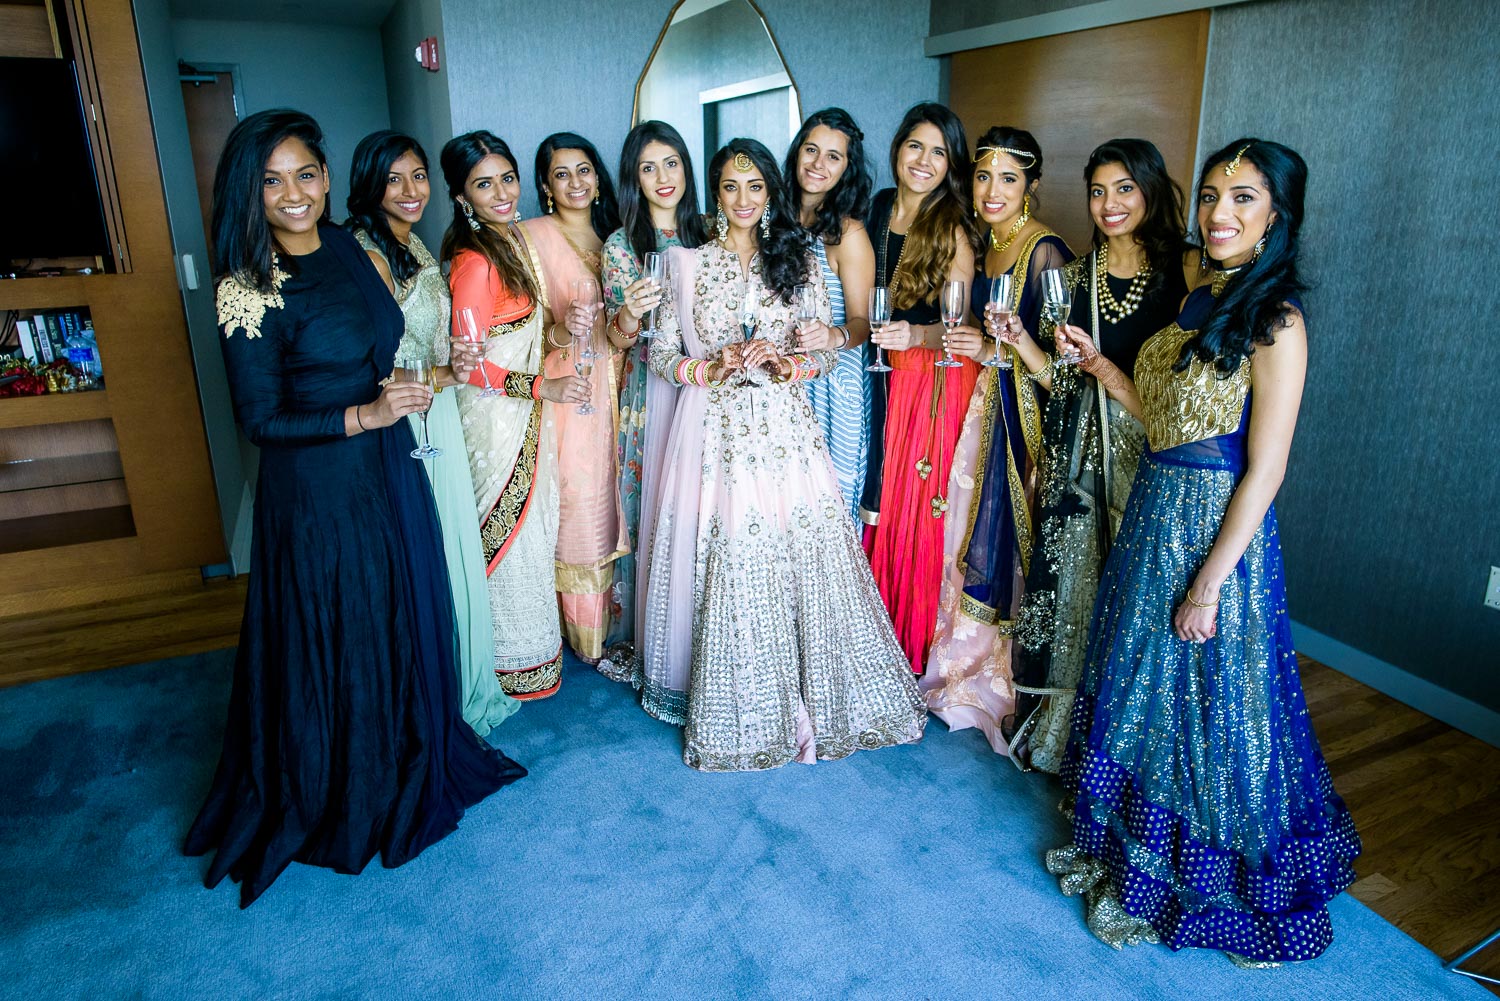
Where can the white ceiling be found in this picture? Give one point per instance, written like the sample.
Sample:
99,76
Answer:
358,13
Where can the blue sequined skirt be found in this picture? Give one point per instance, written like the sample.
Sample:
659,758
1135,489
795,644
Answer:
1202,803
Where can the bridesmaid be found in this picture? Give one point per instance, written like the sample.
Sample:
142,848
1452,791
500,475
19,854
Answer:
344,737
922,238
829,180
388,192
1204,815
987,538
764,620
496,277
658,210
580,210
1127,289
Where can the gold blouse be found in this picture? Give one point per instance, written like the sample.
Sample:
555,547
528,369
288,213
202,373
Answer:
1191,405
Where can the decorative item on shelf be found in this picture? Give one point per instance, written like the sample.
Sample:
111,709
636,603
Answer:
19,377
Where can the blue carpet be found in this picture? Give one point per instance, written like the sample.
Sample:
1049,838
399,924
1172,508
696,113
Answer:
613,871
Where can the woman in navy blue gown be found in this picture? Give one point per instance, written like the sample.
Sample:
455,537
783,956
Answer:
1204,815
344,736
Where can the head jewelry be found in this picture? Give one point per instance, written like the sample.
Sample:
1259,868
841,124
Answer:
743,163
1233,165
1025,158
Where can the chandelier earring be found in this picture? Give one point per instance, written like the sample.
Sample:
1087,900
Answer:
765,223
721,223
469,215
1026,209
550,207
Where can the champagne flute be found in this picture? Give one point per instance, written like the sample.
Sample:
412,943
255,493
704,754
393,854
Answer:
807,307
586,293
421,371
1059,302
748,316
469,331
654,267
1002,287
954,296
880,315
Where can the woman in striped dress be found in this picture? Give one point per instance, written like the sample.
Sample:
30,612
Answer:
827,174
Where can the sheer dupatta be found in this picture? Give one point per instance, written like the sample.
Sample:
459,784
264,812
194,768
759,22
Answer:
671,486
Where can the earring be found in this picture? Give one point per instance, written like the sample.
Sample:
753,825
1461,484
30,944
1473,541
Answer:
1260,248
1026,209
549,203
765,223
721,223
596,196
469,214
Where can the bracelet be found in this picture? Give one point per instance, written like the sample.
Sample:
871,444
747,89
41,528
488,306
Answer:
358,419
536,386
1045,372
847,336
614,321
1200,604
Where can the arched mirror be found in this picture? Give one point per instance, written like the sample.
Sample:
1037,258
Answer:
716,73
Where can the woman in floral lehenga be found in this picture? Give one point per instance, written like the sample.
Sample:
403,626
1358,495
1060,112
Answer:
764,633
987,537
658,210
512,454
580,206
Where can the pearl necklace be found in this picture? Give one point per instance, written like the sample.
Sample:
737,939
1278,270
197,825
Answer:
1111,310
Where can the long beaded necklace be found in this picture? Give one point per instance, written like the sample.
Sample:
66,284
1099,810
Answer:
1111,310
923,466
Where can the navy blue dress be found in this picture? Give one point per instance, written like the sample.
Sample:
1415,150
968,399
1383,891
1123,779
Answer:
344,736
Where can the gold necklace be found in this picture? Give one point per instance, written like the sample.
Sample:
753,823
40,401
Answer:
1015,228
1111,310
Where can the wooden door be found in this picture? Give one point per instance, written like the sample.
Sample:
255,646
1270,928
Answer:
1142,79
211,116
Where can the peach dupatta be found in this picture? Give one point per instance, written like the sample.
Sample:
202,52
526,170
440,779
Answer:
591,527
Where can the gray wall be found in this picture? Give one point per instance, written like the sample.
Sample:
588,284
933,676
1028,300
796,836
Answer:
875,73
334,73
1388,515
418,98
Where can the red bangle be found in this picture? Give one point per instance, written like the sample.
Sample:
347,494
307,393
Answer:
536,387
614,321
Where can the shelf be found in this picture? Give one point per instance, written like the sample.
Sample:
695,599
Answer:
70,528
54,408
47,471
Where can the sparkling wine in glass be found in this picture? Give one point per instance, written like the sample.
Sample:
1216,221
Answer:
955,295
807,307
421,371
1002,287
469,331
880,315
653,267
586,293
1059,305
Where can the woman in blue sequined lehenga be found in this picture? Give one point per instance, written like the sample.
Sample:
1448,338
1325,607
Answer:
1203,812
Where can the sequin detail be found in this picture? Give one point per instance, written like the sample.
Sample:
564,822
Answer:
1192,405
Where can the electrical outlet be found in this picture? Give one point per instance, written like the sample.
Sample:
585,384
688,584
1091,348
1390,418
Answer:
1492,593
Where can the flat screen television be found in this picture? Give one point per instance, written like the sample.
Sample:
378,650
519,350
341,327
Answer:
46,166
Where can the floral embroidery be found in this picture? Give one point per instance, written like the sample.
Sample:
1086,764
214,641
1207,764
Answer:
242,307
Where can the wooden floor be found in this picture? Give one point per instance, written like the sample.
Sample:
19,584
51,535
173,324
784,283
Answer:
1426,798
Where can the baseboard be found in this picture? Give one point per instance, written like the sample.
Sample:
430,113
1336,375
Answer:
1403,686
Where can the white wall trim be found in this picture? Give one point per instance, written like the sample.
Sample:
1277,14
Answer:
1094,15
772,81
1403,686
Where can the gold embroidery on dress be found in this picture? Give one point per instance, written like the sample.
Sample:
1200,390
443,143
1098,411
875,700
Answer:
533,680
242,307
504,518
1031,430
1192,405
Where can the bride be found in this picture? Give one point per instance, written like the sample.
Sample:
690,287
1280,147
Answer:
765,635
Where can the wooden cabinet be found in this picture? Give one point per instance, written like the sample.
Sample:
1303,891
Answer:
148,519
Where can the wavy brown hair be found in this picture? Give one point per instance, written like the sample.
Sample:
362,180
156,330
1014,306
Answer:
460,156
943,216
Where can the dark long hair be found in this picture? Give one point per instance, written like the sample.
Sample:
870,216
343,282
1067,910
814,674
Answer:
1161,233
851,196
243,243
930,243
1253,306
368,175
784,250
604,214
635,212
460,155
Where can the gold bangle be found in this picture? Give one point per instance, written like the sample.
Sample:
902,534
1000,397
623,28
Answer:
1200,604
